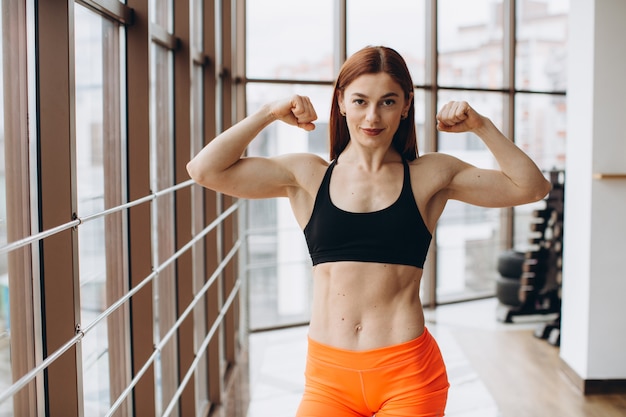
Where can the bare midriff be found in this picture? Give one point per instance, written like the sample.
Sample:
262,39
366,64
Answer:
362,305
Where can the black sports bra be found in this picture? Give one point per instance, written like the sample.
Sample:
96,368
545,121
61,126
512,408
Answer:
396,234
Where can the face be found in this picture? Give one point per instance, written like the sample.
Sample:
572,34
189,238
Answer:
374,105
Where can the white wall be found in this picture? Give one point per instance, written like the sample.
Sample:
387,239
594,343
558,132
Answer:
593,331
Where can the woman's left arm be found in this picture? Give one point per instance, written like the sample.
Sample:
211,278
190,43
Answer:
519,180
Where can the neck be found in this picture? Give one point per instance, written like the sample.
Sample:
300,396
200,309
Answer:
370,160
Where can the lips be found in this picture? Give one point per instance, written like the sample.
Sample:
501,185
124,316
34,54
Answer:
372,132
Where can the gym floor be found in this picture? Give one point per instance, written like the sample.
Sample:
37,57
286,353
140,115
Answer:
495,369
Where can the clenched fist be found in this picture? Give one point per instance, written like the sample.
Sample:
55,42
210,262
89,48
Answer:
458,116
297,111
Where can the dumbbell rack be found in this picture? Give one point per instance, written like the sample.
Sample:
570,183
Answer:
540,282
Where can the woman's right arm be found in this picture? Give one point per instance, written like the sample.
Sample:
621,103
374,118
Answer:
220,165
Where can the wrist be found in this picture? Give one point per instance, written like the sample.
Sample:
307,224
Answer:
266,114
484,127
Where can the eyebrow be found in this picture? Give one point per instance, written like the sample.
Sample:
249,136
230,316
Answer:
390,94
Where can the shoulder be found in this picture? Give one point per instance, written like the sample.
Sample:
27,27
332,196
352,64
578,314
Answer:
433,175
437,167
302,162
307,168
438,158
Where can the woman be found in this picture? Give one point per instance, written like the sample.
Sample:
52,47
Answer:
368,217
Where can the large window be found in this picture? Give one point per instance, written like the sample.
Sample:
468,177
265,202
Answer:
119,292
100,186
290,40
396,24
520,88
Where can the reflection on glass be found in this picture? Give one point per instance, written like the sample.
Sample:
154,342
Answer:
279,265
6,408
288,40
541,45
468,237
90,179
399,24
470,43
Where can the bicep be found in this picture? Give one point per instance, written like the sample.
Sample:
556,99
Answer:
253,177
484,187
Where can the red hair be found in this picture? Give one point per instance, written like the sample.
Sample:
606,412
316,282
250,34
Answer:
373,60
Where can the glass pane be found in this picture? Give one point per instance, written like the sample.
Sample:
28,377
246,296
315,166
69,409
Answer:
197,16
199,315
541,45
279,263
6,408
162,177
90,178
399,25
470,43
468,237
540,130
288,40
161,13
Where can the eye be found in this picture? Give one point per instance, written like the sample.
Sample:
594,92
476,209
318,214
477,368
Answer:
388,102
358,101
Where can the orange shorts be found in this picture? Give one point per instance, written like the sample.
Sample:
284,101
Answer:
408,379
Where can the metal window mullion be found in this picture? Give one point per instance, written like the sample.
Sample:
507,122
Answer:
54,34
35,215
200,64
210,24
507,217
163,38
430,130
341,28
139,217
229,117
183,103
223,120
112,9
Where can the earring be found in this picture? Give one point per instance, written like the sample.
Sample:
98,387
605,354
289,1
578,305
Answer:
404,116
343,113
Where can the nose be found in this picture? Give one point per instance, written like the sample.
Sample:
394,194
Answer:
372,114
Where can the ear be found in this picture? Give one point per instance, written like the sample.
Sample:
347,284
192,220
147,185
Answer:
342,108
407,105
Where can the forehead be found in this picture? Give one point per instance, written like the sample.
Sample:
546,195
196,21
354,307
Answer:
374,85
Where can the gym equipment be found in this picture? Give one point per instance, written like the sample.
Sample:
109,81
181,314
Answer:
530,282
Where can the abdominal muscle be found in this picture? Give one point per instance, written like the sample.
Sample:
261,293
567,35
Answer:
362,305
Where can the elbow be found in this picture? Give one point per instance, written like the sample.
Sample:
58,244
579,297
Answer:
191,170
207,178
535,191
195,171
542,189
